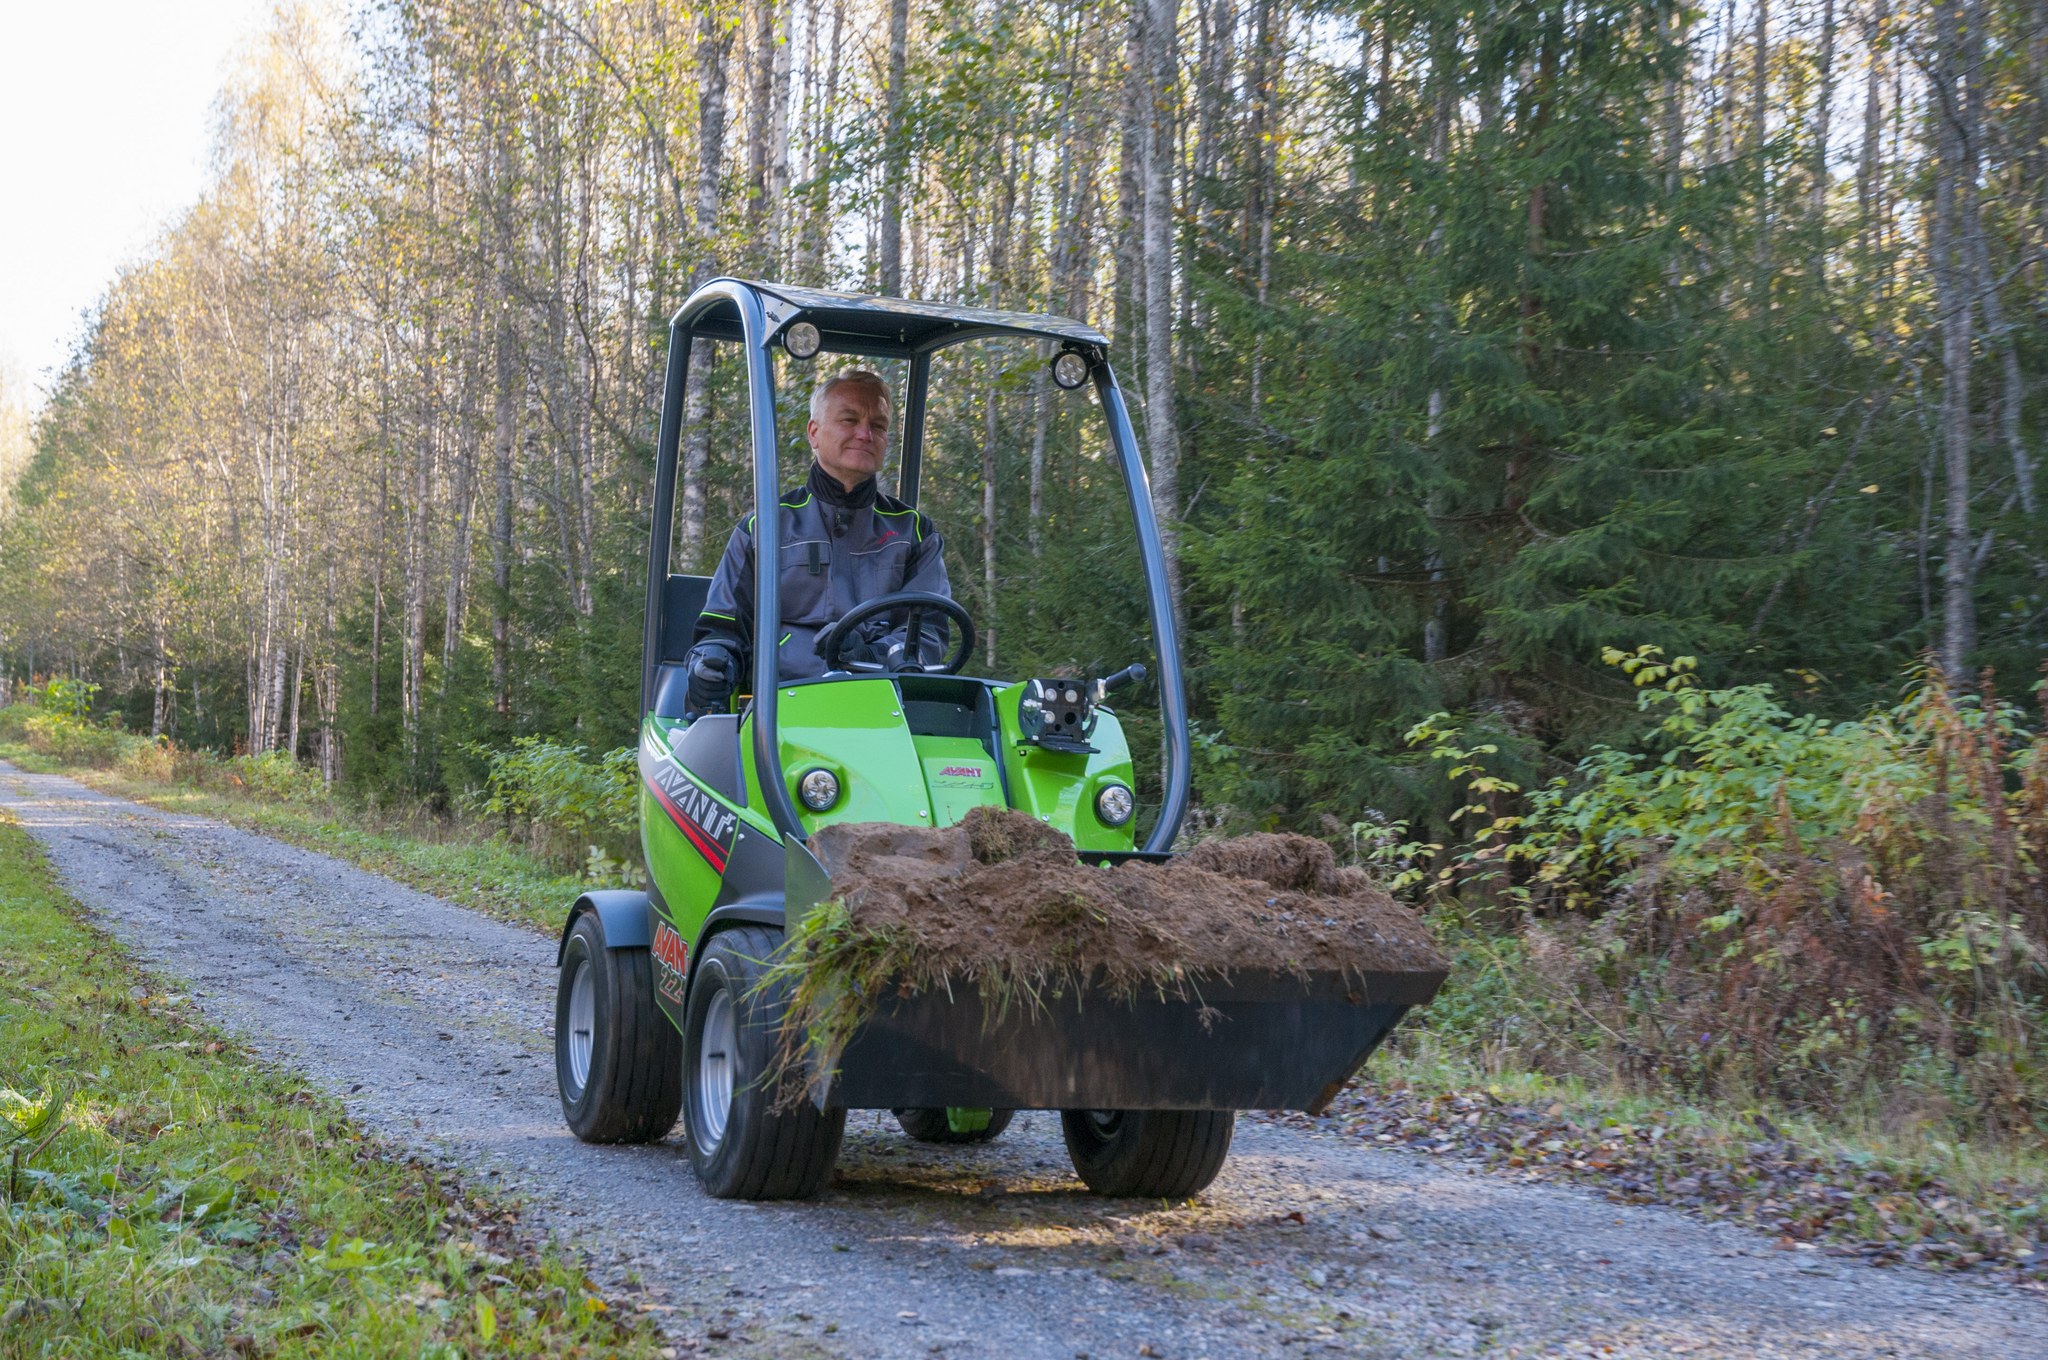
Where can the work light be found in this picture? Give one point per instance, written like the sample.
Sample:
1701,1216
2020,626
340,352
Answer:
1070,370
1114,805
819,789
802,340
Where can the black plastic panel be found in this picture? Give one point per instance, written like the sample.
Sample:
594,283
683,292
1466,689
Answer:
709,748
753,873
682,600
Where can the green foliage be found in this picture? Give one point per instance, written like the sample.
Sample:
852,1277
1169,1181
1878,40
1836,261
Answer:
74,740
1764,900
68,697
574,808
275,775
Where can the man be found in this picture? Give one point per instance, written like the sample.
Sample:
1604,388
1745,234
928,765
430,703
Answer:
843,543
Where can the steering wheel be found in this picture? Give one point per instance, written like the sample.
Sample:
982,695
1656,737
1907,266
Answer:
916,604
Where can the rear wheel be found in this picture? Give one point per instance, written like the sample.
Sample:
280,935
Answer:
1154,1154
932,1126
618,1061
748,1138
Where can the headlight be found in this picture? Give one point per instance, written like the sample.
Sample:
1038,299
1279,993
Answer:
1070,370
1114,805
802,340
819,789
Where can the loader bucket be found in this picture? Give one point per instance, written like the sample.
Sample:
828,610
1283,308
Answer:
1251,1042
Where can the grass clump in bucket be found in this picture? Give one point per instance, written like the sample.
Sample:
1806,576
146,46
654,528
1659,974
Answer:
1001,905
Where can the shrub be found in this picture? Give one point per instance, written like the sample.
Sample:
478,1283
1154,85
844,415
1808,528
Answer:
576,811
1767,903
155,761
71,698
14,721
273,774
73,740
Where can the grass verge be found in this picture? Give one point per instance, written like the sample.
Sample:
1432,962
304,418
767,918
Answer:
164,1194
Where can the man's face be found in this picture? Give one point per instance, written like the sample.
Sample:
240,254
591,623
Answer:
853,437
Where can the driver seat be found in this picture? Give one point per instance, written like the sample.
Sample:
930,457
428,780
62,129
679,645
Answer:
682,600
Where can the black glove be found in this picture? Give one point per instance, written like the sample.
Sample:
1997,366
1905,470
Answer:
857,648
712,666
884,653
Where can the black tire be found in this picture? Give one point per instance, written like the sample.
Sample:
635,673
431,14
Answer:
771,1144
1153,1154
930,1126
619,1062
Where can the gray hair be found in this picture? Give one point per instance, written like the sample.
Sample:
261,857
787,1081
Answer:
855,377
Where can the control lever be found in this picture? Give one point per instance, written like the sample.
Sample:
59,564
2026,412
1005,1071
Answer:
1133,674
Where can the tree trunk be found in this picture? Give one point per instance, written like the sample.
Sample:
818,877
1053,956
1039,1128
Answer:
1436,628
1162,429
714,44
326,685
376,575
1759,131
291,741
164,692
1130,230
990,429
777,211
1263,184
1954,174
1673,104
1823,107
1872,156
823,162
412,679
505,383
1218,66
889,243
455,599
760,101
1041,424
1823,110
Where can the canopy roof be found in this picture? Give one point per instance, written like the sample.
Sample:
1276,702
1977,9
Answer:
853,323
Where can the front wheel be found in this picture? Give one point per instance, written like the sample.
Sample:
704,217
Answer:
618,1060
1151,1154
749,1136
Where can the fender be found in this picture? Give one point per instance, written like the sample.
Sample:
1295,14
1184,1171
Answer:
627,918
757,911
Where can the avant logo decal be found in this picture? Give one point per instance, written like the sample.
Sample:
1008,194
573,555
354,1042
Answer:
707,823
961,772
672,956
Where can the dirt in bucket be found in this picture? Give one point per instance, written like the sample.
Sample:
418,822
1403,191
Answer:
1002,896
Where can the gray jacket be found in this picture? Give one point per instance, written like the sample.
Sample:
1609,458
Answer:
839,548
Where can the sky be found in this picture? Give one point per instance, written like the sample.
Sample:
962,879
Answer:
105,123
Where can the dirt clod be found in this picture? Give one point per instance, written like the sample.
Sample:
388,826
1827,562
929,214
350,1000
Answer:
1003,895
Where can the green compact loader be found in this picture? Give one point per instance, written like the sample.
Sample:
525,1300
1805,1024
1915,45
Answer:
661,1004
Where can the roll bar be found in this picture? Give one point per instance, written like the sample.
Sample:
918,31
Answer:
755,314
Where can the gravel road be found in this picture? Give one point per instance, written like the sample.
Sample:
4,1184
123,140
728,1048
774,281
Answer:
431,1023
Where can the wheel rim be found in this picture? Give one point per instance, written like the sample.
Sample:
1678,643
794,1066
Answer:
582,1025
716,1069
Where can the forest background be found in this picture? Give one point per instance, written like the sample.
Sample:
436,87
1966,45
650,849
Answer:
1475,348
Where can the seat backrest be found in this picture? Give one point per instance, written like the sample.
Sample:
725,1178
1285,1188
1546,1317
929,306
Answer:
682,600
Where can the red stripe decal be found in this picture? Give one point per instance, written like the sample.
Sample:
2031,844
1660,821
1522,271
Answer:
698,836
